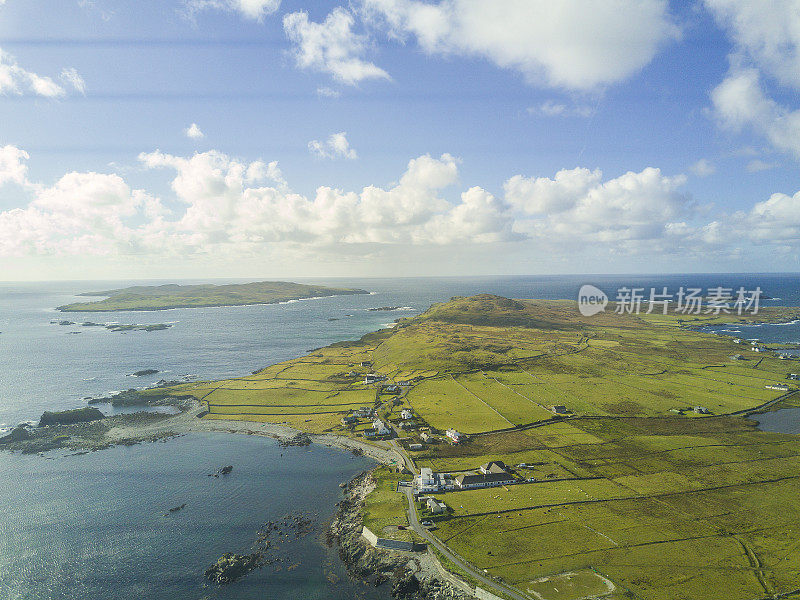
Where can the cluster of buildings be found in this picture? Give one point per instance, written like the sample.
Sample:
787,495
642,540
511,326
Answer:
492,474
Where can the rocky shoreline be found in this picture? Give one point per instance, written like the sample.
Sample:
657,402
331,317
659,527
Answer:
411,576
86,436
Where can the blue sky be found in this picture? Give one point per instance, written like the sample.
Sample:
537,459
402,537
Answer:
408,137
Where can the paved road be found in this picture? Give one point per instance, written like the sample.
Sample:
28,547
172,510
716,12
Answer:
409,463
485,582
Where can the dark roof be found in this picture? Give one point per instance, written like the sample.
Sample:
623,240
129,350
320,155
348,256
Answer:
481,478
495,466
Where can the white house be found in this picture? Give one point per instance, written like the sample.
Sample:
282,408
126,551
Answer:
435,506
454,435
380,427
406,414
428,481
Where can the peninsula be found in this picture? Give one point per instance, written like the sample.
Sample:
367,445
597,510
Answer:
162,297
542,454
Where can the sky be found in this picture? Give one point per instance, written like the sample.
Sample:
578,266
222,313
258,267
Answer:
289,138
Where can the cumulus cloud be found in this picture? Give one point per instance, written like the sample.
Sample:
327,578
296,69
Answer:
13,168
331,46
767,32
573,44
577,203
193,132
250,9
740,103
766,37
71,78
227,207
703,168
18,81
336,146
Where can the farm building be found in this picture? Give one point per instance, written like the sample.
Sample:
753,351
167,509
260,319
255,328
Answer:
482,480
559,409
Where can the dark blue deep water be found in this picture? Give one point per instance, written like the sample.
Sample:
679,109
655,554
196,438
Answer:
92,526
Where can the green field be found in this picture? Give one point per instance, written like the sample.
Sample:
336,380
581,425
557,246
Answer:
679,509
161,297
633,490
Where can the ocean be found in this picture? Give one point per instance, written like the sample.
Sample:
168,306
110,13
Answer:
93,525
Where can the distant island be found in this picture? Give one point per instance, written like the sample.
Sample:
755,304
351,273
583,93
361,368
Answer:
162,297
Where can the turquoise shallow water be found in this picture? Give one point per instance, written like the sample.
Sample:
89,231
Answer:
92,526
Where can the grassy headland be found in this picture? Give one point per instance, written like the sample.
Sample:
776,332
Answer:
161,297
632,483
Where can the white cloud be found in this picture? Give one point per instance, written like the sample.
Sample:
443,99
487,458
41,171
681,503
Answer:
326,92
550,108
703,168
250,9
766,38
230,210
756,165
578,204
331,46
194,132
12,166
767,32
16,80
72,78
573,44
336,146
740,103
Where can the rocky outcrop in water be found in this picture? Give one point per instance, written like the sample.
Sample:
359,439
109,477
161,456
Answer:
230,567
301,439
68,417
222,471
145,372
20,433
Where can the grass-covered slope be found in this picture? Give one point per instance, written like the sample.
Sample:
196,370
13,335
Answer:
468,372
162,297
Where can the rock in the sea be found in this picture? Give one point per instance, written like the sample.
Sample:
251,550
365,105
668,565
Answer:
20,433
230,567
145,372
68,417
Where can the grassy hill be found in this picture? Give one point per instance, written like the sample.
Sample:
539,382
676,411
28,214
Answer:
487,363
161,297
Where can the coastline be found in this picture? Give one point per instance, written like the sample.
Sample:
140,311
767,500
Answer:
143,426
412,575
